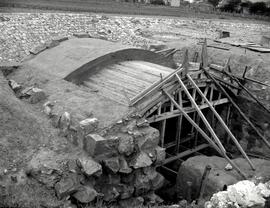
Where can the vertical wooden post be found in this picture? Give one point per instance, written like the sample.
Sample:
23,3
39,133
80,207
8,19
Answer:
162,132
204,135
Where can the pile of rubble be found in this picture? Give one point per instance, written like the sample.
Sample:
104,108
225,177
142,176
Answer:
242,194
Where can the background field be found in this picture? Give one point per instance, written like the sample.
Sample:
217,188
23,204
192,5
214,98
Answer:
110,6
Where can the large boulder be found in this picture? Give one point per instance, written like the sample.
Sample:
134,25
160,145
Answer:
126,145
141,160
220,176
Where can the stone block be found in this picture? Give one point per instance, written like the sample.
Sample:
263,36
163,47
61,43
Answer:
141,160
141,183
150,138
160,154
132,202
81,35
126,145
65,121
124,168
67,185
51,43
110,192
112,164
37,49
88,125
95,145
89,166
157,182
125,191
85,194
60,38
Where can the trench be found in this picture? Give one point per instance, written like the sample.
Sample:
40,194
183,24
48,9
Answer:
178,140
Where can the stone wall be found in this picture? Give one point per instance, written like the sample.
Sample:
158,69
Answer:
120,162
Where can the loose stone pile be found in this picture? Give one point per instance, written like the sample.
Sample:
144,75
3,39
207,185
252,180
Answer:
21,32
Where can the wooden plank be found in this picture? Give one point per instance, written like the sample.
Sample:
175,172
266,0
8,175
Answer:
156,86
146,68
223,124
136,74
156,66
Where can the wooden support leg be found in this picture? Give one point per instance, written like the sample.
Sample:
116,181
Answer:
179,124
213,134
162,132
222,123
204,135
238,109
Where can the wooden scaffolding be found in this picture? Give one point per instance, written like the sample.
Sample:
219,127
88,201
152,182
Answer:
185,94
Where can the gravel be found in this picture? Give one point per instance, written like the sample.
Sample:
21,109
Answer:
20,32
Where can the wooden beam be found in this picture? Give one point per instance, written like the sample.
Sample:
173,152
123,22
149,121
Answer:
248,92
176,113
238,109
201,115
154,87
222,123
185,153
204,135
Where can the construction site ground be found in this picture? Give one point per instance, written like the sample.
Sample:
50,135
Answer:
26,133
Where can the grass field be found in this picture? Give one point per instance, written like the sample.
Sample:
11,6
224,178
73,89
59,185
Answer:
111,6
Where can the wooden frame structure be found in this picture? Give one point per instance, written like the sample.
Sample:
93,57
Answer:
185,94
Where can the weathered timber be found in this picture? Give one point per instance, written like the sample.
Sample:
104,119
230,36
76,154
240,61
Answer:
238,109
222,123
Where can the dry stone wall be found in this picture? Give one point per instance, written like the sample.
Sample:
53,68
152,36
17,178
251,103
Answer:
120,162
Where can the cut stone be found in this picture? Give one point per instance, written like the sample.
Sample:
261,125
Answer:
132,202
126,145
88,125
160,155
60,38
141,160
125,191
89,166
37,49
110,193
51,43
141,183
157,182
81,35
124,168
150,138
85,194
66,186
152,199
95,145
112,164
